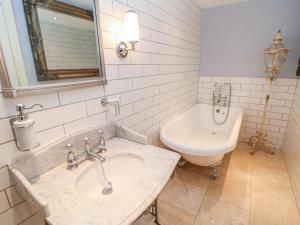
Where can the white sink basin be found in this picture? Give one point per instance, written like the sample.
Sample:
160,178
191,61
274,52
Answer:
122,170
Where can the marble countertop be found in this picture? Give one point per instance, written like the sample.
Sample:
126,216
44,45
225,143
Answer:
67,206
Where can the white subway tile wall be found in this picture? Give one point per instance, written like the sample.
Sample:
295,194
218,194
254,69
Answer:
291,146
13,208
69,47
249,94
154,84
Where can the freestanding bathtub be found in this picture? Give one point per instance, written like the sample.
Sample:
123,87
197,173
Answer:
198,138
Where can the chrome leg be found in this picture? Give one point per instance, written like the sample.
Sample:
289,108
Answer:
172,175
181,162
214,171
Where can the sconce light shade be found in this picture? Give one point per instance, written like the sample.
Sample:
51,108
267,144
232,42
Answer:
132,32
275,56
132,28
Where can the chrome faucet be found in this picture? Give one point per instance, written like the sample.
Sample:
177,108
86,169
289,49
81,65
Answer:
108,189
91,152
101,145
72,159
218,98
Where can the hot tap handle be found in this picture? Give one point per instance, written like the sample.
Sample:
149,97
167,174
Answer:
72,159
101,133
69,147
87,144
86,140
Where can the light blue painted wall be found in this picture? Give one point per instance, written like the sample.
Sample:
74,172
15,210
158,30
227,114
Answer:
24,41
234,37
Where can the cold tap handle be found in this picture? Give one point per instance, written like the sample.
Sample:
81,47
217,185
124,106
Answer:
87,144
101,138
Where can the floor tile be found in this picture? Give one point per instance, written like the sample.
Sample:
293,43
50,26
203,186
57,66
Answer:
268,162
274,185
269,211
178,194
217,212
239,159
205,171
170,215
233,187
194,181
251,190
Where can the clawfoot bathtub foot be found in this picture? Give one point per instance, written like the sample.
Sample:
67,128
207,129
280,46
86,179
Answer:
181,162
214,172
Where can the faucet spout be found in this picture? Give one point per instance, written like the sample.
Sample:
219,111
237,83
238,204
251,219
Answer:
90,151
96,156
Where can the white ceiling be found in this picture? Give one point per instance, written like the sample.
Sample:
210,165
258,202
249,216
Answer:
214,3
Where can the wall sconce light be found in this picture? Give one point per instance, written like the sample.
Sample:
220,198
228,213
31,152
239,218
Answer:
132,32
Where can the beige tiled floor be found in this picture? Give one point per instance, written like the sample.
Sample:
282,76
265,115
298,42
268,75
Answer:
251,190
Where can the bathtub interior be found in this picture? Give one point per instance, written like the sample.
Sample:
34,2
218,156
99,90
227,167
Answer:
197,128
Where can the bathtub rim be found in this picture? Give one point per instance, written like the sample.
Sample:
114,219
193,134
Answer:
228,146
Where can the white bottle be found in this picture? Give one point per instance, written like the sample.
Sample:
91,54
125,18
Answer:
23,127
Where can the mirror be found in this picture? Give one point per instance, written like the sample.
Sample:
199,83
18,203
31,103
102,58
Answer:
63,38
53,44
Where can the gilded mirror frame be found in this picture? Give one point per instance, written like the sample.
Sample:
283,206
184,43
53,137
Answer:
34,30
4,78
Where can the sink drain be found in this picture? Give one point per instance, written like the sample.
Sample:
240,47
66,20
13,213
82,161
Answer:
213,133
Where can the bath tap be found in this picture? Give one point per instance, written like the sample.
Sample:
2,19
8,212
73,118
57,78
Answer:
218,98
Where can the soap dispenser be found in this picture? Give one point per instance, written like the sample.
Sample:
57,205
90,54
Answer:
23,129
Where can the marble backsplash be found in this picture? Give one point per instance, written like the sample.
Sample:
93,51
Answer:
33,164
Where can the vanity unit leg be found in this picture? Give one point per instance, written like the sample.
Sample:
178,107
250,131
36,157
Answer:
149,217
155,212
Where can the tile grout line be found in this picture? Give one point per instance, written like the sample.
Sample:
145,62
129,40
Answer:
28,218
9,203
290,179
251,187
201,205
